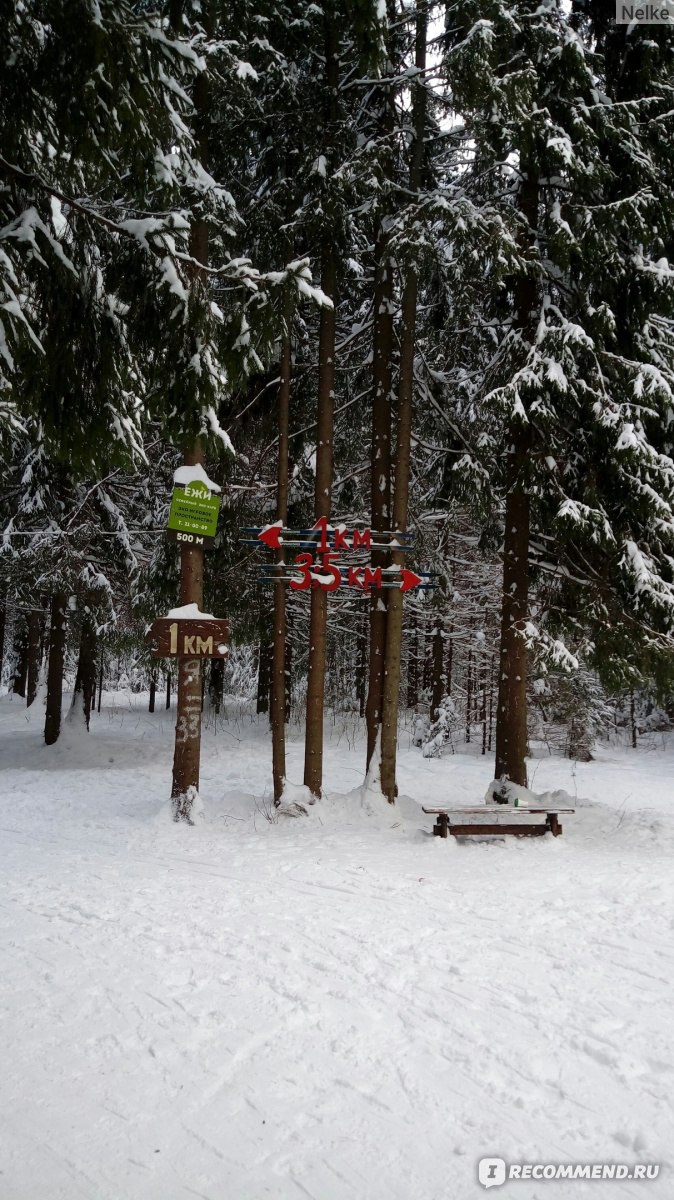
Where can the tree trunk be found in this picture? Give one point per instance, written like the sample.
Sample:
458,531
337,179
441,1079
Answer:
380,454
2,637
21,652
187,750
361,668
469,695
153,691
318,619
57,650
288,672
33,654
263,674
278,664
85,680
413,664
394,627
216,684
100,685
483,710
438,684
511,714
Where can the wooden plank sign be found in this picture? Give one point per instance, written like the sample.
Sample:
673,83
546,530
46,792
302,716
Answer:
188,638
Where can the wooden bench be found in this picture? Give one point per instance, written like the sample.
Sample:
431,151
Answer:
499,819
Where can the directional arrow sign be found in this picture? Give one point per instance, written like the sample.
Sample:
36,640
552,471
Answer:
409,580
271,536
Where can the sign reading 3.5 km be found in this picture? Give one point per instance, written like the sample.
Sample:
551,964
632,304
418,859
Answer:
193,518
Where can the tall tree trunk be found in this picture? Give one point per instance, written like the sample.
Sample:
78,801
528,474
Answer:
382,385
278,665
412,664
439,682
57,650
153,691
450,659
288,671
33,654
318,619
469,695
263,674
393,648
100,684
187,749
2,637
21,652
85,680
361,667
168,690
216,684
511,714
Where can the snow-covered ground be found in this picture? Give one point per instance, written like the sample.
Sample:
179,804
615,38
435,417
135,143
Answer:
335,1007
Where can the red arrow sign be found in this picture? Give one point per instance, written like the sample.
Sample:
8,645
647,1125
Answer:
271,536
409,580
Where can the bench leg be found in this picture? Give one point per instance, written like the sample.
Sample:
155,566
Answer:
554,825
441,826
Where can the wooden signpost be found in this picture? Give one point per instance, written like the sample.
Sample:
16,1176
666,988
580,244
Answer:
190,635
190,640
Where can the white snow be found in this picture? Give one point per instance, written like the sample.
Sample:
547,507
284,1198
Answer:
190,612
521,796
185,475
338,1007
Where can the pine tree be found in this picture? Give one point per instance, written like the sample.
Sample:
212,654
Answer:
585,462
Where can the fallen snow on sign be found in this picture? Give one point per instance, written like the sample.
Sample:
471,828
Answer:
337,1007
189,612
196,473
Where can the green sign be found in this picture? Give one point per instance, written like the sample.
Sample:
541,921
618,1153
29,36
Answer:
193,518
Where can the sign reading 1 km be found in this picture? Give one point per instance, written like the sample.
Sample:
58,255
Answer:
193,518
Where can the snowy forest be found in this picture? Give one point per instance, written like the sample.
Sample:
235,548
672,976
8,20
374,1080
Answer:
391,280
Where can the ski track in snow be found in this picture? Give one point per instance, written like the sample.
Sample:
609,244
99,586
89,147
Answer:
333,1007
